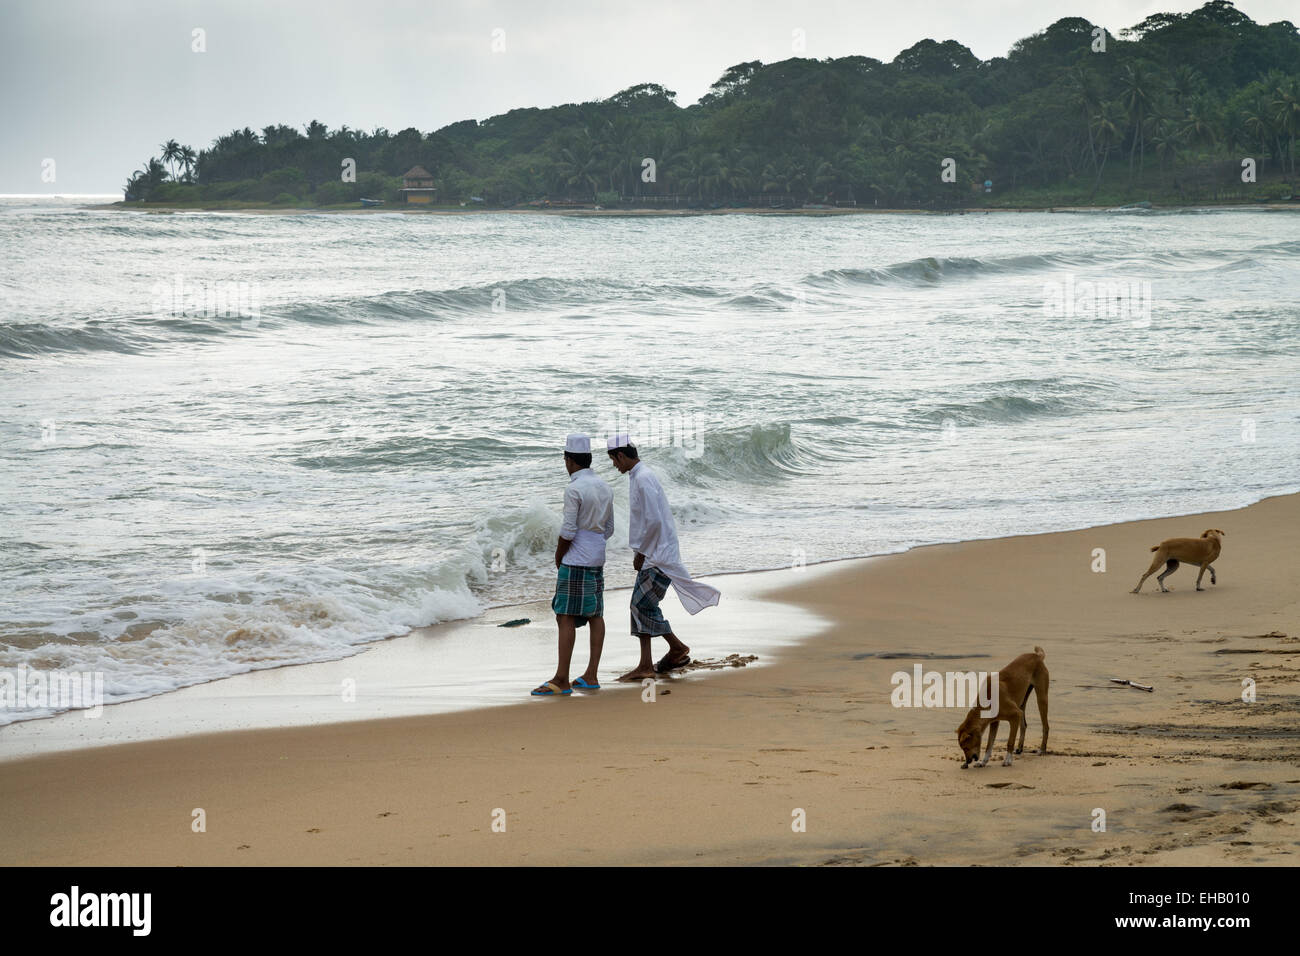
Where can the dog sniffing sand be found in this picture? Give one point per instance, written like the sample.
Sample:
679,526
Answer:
1026,673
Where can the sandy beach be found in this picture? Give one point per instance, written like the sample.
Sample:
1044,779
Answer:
716,768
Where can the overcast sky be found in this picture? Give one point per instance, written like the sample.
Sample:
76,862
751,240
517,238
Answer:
98,85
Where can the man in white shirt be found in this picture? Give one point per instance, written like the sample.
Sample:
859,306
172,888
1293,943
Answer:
580,566
652,535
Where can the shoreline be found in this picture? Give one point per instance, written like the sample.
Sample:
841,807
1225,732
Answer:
435,669
754,582
1187,774
254,210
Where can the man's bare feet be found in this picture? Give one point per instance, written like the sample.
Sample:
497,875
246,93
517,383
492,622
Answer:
639,674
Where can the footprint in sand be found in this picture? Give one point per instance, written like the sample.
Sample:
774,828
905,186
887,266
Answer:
314,830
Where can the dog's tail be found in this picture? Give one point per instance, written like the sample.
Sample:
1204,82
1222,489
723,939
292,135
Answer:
1040,652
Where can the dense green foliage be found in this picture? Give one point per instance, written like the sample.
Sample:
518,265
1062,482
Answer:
1172,107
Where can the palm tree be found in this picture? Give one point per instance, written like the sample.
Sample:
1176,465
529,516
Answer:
1286,115
740,173
709,175
188,158
171,154
1136,95
1086,99
1166,137
1185,84
1198,123
1108,128
659,143
144,181
825,178
1259,122
580,163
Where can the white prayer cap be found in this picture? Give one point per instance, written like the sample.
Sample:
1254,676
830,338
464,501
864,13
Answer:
578,444
620,440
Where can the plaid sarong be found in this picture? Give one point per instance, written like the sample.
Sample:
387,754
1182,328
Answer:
579,592
650,588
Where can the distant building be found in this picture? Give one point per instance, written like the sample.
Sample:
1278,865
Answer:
417,185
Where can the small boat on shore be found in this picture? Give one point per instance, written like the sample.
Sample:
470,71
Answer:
372,202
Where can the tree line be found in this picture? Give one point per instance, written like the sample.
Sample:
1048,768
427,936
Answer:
1073,112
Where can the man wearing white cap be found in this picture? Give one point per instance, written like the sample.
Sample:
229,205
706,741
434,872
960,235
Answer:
652,535
580,562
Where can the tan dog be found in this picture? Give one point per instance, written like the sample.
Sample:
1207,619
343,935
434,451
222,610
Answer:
1026,673
1203,551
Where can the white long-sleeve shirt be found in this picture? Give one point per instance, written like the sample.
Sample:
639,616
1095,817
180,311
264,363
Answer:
652,532
588,519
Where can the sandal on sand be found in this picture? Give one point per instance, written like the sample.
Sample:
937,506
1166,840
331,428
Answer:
551,691
581,684
664,665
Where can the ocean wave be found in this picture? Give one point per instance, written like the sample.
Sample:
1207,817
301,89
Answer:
406,451
717,457
30,339
140,332
289,619
144,332
1019,400
933,269
929,270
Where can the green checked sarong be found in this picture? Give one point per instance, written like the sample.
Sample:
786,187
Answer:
650,588
579,592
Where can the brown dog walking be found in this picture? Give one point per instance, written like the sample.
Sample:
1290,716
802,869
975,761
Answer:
1203,551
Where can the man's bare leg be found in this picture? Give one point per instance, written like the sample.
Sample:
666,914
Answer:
646,668
568,634
597,625
676,648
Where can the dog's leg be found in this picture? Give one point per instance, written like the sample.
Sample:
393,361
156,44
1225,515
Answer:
993,732
1015,720
1041,692
1024,722
1214,578
1201,575
1150,571
1170,567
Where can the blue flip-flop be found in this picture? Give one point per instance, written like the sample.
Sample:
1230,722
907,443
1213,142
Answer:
582,684
554,691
